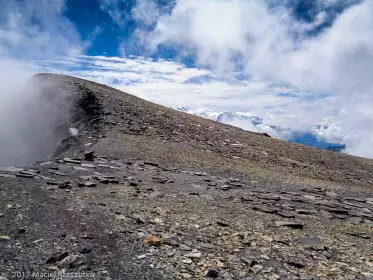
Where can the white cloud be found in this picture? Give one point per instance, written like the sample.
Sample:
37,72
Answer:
146,11
114,9
33,29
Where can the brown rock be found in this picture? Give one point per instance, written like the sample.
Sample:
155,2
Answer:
153,240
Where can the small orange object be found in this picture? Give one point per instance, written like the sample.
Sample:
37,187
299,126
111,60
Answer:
153,240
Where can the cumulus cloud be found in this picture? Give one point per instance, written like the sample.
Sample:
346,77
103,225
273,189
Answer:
116,10
36,28
146,11
270,43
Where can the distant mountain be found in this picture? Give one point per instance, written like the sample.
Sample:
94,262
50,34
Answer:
201,112
230,116
208,78
201,79
251,122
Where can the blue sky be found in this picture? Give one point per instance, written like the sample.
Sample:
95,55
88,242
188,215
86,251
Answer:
94,22
87,15
303,66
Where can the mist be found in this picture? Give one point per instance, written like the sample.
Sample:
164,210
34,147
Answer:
33,120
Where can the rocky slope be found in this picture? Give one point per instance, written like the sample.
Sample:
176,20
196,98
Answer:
145,192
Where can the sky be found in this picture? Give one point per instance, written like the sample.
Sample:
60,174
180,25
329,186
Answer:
302,66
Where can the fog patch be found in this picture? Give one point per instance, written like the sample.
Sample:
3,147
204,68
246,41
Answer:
33,120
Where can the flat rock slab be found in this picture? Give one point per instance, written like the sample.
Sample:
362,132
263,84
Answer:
310,241
293,225
74,161
11,169
285,214
265,209
7,176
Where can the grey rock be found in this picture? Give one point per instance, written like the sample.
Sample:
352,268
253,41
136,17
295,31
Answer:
70,261
256,268
247,198
356,220
293,225
46,163
310,240
224,187
185,247
84,250
193,255
7,176
303,211
366,216
249,261
57,172
108,181
358,199
89,156
310,197
80,168
265,209
57,257
306,277
61,185
87,165
285,214
207,245
11,169
235,184
331,194
73,161
29,172
151,163
340,216
296,264
25,175
353,204
212,273
325,214
269,197
139,219
363,235
90,184
337,211
222,223
200,173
